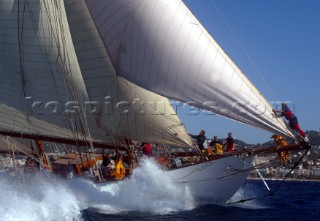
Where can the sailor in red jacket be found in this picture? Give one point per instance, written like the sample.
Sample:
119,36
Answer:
293,121
146,149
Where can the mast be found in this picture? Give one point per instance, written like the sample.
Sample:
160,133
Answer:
43,157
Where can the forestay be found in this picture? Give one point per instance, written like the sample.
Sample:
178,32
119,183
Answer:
162,47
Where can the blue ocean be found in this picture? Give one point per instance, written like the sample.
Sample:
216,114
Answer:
294,200
150,195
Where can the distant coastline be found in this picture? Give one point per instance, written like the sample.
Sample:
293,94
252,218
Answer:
277,179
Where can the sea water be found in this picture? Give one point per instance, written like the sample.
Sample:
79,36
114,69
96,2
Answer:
293,200
42,197
149,195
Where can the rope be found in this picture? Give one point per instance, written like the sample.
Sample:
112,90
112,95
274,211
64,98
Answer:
21,60
294,166
244,50
271,193
285,131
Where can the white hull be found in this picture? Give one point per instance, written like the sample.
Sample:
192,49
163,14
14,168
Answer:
216,180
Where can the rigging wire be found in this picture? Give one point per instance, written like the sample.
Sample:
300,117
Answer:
285,127
34,22
56,33
271,193
22,71
73,88
244,50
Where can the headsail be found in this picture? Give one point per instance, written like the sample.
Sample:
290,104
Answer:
121,108
162,47
39,72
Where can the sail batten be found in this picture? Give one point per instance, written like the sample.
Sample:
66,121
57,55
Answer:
162,47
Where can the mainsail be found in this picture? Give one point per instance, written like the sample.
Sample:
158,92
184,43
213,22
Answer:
122,108
162,47
39,71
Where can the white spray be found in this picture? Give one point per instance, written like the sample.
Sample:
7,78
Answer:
49,198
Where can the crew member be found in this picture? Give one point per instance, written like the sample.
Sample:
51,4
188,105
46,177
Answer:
201,138
281,142
293,120
217,144
229,143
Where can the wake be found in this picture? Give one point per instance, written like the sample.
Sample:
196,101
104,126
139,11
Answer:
50,198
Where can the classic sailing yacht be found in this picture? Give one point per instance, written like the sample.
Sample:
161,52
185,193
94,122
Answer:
96,73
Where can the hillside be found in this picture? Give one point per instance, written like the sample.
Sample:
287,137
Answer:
314,137
314,140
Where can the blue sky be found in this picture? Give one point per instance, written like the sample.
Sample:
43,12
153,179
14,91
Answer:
277,45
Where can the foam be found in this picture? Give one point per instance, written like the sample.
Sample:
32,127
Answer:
50,198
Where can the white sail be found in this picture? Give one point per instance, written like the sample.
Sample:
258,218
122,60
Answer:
162,47
122,108
39,72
